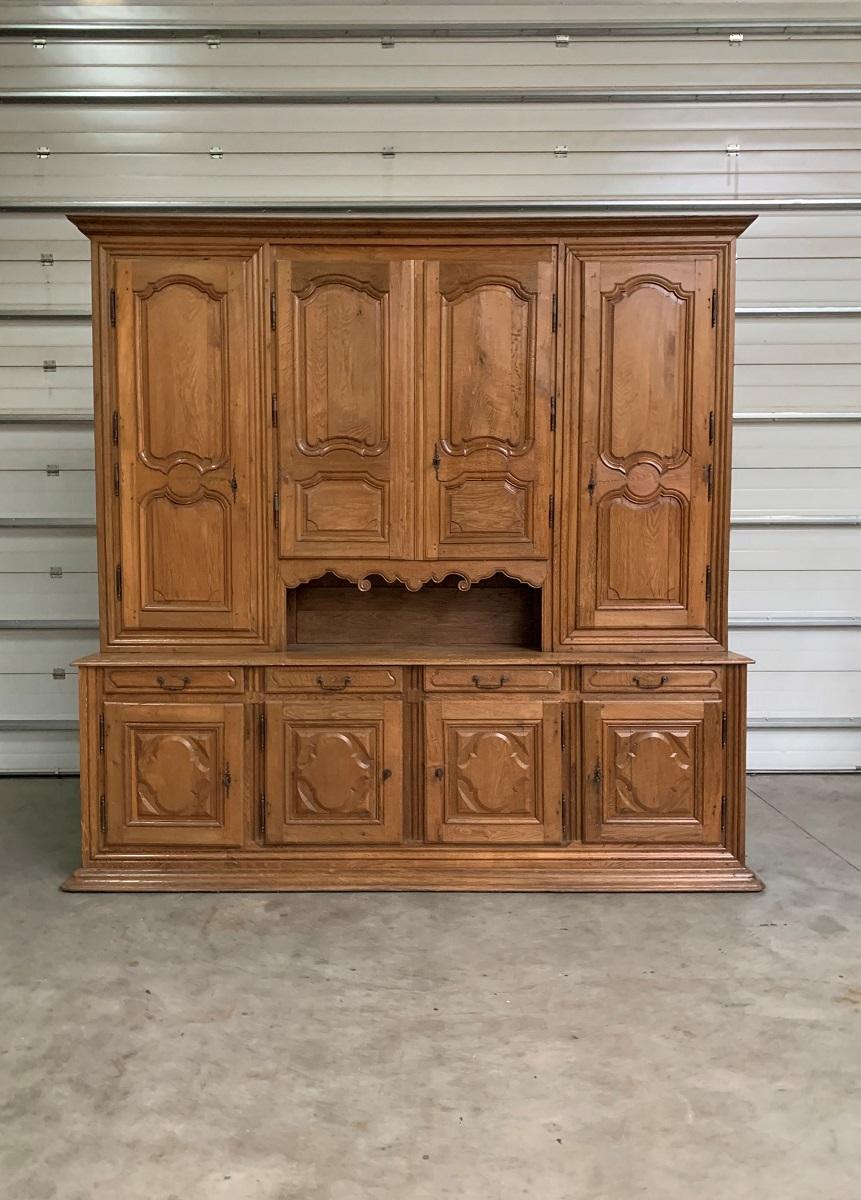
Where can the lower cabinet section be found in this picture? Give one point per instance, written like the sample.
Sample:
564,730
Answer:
334,771
493,771
654,771
413,783
174,775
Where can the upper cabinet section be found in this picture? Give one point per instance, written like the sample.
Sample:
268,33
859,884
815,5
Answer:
184,434
345,398
488,381
640,484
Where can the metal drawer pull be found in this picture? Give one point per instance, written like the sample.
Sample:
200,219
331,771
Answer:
648,681
173,687
490,687
334,687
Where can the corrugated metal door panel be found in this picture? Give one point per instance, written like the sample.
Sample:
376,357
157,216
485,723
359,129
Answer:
802,550
793,593
39,697
26,652
38,597
32,447
803,750
815,694
71,494
36,551
42,750
802,446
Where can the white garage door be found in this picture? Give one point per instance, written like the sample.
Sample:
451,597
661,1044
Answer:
794,153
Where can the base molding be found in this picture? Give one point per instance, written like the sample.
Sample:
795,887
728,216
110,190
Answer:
417,873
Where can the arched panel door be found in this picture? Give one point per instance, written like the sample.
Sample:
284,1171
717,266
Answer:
185,439
642,493
488,376
345,396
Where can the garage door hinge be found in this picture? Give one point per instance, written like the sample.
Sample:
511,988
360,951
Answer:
118,582
101,735
723,729
112,305
272,311
708,583
58,673
261,731
714,307
722,813
554,313
262,814
552,414
276,510
103,815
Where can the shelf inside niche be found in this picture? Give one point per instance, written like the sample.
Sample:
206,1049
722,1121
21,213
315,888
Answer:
498,611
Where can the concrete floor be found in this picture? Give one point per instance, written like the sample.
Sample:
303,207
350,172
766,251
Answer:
421,1047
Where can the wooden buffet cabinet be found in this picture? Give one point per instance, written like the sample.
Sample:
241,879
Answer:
413,557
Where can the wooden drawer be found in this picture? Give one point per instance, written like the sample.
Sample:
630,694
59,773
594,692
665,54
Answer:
651,680
175,681
492,679
326,680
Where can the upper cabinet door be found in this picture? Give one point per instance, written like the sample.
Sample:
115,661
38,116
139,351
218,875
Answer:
187,430
489,372
646,369
345,401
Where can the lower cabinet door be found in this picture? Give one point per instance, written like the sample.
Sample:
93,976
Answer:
654,771
334,770
493,771
175,774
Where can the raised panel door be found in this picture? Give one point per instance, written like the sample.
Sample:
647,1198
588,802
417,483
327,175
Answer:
493,771
642,502
654,771
174,774
334,771
187,432
345,401
489,377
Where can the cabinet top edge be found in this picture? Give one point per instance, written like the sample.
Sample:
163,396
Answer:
469,224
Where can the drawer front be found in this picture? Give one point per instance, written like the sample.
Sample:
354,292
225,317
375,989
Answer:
492,679
651,680
331,680
174,681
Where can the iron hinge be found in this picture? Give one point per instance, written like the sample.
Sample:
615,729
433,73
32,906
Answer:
118,581
708,583
101,734
261,731
112,307
723,813
552,414
554,313
711,427
723,724
709,477
274,410
115,427
103,815
272,311
116,479
551,511
276,510
714,307
262,814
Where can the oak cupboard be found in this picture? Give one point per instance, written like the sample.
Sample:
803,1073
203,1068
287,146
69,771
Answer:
413,557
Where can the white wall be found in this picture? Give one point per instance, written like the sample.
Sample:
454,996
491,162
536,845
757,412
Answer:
807,674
